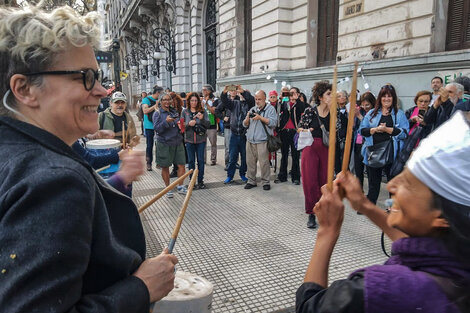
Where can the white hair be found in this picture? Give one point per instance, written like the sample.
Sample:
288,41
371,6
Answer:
30,38
459,87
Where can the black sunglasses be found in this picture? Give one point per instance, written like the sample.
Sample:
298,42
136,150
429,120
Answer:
89,76
388,87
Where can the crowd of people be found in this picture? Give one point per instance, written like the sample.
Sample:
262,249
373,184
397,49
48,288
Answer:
70,242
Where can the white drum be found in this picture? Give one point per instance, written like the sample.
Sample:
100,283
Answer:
192,294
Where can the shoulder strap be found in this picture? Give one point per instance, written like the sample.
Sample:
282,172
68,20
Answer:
102,120
318,116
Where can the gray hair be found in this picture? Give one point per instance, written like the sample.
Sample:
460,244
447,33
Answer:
344,92
31,38
459,87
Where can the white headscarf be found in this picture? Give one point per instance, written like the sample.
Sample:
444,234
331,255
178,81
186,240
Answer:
442,160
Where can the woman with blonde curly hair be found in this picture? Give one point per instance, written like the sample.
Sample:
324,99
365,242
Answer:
69,242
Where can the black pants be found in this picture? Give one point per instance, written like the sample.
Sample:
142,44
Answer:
375,178
358,164
287,140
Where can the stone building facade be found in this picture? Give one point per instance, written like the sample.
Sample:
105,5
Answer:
269,43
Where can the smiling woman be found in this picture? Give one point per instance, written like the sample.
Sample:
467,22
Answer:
429,270
78,244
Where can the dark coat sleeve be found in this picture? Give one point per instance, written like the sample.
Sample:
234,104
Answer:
250,100
96,161
46,233
343,296
431,115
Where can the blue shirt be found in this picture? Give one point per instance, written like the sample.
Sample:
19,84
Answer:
147,123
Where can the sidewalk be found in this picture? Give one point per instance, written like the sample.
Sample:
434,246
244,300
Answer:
253,245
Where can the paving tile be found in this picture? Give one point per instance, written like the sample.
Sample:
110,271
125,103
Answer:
253,245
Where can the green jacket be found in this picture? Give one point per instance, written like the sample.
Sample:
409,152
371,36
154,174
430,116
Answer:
106,121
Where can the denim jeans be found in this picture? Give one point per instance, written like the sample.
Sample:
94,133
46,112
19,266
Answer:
196,151
149,133
237,146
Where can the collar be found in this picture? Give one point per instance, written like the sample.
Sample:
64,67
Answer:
42,137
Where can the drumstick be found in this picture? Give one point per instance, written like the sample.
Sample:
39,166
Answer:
352,106
103,168
164,191
123,135
176,230
332,140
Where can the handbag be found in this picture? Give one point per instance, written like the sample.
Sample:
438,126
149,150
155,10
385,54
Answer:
325,135
273,143
304,139
380,154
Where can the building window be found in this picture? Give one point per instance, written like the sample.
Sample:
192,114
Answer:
327,32
458,25
248,31
211,43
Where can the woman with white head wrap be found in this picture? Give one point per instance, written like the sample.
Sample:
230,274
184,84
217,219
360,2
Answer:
429,222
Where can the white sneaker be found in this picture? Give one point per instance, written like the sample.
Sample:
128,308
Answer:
169,194
182,190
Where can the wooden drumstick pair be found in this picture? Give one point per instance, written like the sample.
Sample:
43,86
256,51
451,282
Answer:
333,117
176,230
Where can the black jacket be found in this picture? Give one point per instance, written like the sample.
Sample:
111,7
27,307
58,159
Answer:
297,109
238,110
435,117
68,241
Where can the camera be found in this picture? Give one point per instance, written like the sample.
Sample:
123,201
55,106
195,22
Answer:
232,88
199,129
174,114
285,94
252,114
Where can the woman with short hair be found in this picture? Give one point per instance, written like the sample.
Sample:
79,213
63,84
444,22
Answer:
69,242
384,123
415,115
314,158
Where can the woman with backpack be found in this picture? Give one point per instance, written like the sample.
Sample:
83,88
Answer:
196,122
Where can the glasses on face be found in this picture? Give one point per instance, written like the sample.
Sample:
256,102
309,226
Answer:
89,76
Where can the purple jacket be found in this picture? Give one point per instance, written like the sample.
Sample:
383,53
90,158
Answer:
400,285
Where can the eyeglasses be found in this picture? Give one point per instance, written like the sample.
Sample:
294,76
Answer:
89,76
389,87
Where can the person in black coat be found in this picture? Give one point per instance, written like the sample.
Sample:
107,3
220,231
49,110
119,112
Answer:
291,112
69,242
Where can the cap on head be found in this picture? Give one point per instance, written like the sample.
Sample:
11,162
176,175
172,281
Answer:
442,160
273,93
118,96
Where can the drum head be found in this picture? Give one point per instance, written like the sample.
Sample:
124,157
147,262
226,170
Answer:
99,144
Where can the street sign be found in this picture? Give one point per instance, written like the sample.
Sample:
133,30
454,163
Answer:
104,57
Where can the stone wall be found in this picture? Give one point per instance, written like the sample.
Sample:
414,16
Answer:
384,29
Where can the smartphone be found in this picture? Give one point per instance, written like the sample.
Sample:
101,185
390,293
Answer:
232,88
422,112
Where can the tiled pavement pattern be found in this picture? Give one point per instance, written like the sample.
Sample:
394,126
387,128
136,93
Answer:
253,245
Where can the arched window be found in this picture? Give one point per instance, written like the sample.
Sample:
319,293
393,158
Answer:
211,43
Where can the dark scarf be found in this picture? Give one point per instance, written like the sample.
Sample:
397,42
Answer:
401,285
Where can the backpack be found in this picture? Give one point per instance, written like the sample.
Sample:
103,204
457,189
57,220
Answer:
152,103
140,112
